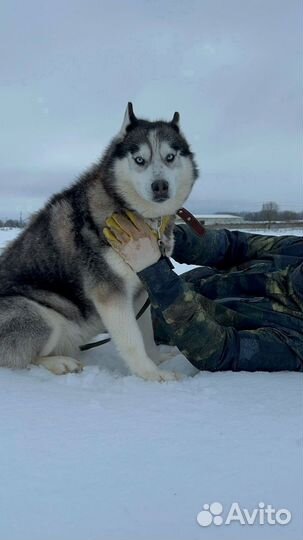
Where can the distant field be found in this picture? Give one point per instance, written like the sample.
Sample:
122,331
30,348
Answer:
6,235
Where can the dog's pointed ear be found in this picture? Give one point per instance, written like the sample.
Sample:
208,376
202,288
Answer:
129,119
176,121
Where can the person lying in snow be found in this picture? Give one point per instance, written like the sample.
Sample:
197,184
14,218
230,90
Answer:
241,310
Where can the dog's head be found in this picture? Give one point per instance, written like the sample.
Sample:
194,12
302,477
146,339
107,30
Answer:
154,168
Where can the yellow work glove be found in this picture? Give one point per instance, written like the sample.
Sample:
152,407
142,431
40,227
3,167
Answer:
132,239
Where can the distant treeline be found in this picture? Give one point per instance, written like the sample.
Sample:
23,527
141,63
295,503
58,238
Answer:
285,215
12,223
269,212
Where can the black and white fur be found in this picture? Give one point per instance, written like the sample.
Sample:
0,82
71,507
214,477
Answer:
61,283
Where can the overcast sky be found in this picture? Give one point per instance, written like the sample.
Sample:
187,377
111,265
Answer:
231,67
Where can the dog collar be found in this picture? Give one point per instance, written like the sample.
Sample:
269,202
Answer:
190,219
187,217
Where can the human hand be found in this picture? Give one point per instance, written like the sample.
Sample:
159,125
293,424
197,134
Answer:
134,240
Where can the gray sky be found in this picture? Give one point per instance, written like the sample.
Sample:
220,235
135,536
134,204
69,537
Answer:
231,67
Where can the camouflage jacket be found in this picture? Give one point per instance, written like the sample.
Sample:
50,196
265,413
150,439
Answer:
241,310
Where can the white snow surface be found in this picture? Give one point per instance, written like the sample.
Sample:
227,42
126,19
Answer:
102,455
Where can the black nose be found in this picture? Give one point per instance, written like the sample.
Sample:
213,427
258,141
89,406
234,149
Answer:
160,190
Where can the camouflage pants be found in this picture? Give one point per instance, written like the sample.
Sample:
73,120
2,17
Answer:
246,319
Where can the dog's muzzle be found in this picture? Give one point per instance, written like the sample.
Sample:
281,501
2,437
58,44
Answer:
160,190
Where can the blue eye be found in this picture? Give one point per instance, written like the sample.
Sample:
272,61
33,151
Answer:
139,160
170,157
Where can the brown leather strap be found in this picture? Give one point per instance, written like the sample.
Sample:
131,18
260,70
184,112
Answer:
190,219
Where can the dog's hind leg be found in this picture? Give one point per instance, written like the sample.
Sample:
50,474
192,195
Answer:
59,365
23,332
56,353
28,335
120,321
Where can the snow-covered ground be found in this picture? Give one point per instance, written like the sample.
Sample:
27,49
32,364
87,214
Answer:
105,456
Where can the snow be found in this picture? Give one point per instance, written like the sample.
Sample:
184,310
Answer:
102,455
6,235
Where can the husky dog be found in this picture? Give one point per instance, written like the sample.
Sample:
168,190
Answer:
61,283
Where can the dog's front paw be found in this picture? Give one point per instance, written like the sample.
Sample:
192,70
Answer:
170,376
60,365
160,376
